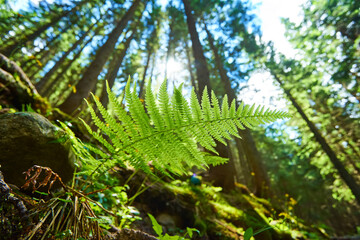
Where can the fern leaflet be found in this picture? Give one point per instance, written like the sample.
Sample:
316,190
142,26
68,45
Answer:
166,132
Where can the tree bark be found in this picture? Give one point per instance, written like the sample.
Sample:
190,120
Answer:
262,182
142,83
222,175
168,53
49,85
151,50
90,77
192,78
202,72
344,174
111,75
16,90
11,67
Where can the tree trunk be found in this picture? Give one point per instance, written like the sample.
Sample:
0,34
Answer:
8,50
35,68
262,183
28,63
90,77
344,174
222,175
49,85
40,85
142,83
192,78
112,73
168,53
151,50
202,72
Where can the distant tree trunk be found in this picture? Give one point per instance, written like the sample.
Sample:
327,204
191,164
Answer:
222,175
8,50
90,77
34,67
169,47
262,183
344,174
40,85
202,71
28,63
112,73
51,83
151,50
142,83
192,78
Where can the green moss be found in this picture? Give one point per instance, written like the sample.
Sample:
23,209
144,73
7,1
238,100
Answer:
226,211
227,216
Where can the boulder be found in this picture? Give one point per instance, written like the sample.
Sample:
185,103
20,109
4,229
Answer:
28,139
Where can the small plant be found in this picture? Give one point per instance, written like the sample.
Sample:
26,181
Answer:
159,231
250,232
165,135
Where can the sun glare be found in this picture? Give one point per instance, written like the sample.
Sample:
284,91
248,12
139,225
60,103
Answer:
173,67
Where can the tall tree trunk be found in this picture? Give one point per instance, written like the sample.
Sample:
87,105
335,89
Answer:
153,65
151,50
8,50
40,85
29,64
222,175
170,43
202,72
142,83
192,78
90,77
262,183
49,85
112,73
34,66
344,174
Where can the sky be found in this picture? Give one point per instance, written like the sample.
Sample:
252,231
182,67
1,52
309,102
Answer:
21,4
261,88
270,12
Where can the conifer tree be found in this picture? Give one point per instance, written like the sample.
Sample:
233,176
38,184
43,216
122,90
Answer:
16,44
343,172
90,77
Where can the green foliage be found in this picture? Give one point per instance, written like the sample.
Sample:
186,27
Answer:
248,234
324,81
156,226
167,132
113,197
159,231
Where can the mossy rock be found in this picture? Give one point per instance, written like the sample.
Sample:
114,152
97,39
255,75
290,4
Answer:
28,139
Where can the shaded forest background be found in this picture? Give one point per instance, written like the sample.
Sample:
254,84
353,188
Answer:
308,164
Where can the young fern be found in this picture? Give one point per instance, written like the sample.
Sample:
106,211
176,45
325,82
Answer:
167,132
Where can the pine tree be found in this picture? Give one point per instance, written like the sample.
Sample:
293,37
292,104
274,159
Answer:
90,77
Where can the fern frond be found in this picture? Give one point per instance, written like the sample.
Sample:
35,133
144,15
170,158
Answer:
166,134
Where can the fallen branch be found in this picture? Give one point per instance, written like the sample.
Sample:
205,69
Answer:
12,68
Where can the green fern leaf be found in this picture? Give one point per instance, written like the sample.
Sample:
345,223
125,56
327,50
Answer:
167,132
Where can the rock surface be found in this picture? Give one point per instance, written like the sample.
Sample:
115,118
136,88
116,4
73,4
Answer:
28,139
